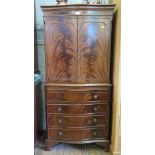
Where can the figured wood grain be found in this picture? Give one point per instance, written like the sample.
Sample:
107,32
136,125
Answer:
77,108
78,50
78,134
93,43
61,50
80,121
78,97
78,40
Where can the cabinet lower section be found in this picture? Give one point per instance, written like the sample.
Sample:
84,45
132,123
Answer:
78,115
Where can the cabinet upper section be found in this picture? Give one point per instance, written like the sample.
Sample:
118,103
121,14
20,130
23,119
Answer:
77,45
78,9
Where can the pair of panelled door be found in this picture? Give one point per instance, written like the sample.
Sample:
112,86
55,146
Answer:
77,50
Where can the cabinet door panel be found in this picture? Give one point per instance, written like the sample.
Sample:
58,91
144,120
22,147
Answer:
94,49
61,50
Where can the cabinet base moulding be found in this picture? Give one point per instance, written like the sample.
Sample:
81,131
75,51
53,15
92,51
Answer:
49,143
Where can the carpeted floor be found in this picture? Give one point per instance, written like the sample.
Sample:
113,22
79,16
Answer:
70,149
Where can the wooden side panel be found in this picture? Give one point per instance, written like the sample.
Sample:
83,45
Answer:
94,49
61,50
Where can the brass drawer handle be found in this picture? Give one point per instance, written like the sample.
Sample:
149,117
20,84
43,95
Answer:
60,133
95,109
95,97
94,120
59,109
59,121
94,133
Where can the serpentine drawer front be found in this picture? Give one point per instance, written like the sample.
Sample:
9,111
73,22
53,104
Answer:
78,134
78,73
79,96
85,108
77,121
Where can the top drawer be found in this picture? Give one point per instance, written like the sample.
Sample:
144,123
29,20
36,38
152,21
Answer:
78,96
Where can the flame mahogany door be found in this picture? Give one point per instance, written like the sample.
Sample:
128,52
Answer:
94,49
78,50
61,50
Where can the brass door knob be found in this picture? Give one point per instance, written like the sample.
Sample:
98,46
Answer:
102,27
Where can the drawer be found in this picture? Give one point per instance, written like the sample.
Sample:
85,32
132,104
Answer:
78,96
78,134
77,121
77,108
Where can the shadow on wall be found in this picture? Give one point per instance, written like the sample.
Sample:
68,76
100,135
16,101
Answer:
38,87
35,47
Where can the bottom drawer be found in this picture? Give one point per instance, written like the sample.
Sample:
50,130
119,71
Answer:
78,134
76,121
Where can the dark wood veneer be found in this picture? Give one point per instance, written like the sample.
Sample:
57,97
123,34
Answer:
78,96
78,108
61,63
72,121
78,84
78,134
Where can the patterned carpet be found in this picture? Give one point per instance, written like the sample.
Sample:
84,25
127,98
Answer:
70,149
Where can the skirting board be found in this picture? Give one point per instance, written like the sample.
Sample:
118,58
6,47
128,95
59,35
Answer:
114,153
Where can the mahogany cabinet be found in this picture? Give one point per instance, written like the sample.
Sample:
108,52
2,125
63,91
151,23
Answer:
78,76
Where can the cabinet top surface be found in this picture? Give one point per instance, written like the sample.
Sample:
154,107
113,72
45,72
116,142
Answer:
77,6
